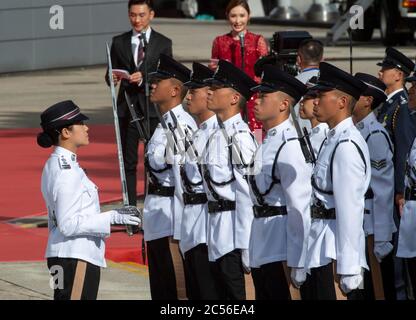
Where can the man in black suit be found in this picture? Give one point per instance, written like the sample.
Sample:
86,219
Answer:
127,53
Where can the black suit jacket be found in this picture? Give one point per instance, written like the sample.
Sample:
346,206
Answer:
122,58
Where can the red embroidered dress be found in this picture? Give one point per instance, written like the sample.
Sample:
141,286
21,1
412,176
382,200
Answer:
226,48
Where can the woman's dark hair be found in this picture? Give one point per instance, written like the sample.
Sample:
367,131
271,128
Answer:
235,3
139,2
50,137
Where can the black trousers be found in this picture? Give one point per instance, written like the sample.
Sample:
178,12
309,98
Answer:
388,279
161,271
322,285
200,283
74,279
270,282
229,276
411,267
130,142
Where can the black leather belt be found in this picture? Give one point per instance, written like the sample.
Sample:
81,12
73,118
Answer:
410,194
269,211
369,194
322,213
220,206
161,190
194,198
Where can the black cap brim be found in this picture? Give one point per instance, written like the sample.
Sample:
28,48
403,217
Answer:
263,88
213,81
158,75
411,79
321,87
195,85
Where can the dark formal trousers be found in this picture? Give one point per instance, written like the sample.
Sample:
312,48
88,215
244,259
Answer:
229,276
322,285
74,279
270,282
161,270
200,283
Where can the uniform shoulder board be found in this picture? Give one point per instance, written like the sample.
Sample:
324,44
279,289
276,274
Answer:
289,134
63,163
345,135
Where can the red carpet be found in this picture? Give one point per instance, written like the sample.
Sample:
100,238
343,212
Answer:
21,164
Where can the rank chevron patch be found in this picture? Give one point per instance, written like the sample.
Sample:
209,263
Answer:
378,165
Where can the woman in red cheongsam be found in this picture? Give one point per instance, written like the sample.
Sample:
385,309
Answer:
227,47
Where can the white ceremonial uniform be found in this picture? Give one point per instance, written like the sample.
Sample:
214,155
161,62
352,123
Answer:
162,215
283,180
407,233
194,218
341,239
317,137
378,217
229,230
188,124
76,228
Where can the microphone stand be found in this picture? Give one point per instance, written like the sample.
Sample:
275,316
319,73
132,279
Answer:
147,107
243,65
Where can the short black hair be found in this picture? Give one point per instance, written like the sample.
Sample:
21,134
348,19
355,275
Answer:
311,50
139,2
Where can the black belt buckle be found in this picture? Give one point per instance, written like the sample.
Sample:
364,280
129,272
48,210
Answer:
161,190
194,198
322,213
220,206
269,211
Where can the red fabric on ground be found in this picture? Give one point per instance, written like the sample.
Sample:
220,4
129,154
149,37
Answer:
21,165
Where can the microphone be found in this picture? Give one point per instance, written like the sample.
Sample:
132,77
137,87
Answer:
241,36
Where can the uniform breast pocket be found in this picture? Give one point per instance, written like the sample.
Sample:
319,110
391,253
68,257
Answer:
90,193
321,175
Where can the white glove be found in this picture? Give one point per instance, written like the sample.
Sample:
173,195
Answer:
245,261
350,282
382,249
125,216
298,276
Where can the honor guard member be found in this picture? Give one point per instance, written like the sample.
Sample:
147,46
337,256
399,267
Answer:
340,180
77,228
318,130
407,235
225,162
193,244
395,113
280,189
379,224
163,203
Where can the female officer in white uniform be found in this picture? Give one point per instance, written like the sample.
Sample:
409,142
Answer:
77,228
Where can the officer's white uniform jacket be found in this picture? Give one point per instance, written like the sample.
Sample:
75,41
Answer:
76,227
229,230
162,215
282,237
407,234
317,137
343,238
194,218
378,217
